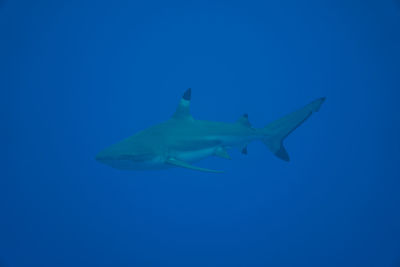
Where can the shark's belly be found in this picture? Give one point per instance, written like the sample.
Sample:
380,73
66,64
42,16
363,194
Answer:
195,155
208,146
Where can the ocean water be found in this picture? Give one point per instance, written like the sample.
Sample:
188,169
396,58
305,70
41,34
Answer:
78,76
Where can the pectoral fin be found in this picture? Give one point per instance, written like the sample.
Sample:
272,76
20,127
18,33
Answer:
183,164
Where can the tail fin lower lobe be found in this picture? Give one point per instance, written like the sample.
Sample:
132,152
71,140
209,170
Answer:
275,132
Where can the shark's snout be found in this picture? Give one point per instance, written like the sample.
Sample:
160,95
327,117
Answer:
103,157
98,157
130,162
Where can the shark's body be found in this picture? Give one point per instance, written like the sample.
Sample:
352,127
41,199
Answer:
182,140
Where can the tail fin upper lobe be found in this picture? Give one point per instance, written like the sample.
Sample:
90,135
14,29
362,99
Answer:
275,132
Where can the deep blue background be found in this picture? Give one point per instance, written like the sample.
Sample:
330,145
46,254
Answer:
77,76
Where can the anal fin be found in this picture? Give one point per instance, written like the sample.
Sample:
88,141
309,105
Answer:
179,163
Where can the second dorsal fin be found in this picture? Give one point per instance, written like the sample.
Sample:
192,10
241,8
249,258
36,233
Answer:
183,109
244,120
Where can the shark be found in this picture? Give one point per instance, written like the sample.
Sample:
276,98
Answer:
182,140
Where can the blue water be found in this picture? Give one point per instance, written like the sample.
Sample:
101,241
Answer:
77,76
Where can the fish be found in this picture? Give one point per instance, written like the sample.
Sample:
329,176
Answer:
182,140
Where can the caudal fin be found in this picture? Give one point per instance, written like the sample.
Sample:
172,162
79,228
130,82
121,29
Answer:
275,132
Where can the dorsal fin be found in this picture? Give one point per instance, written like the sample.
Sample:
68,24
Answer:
244,120
183,109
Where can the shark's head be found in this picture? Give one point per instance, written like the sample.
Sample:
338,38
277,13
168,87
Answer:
136,157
